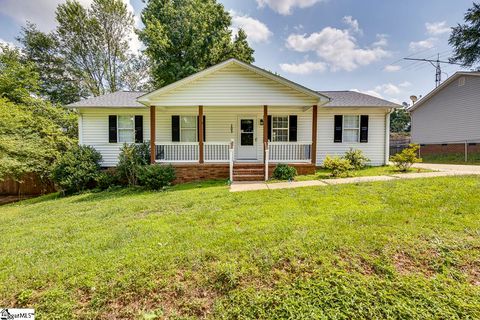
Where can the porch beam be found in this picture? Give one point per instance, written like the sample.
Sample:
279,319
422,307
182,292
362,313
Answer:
314,133
152,134
200,134
265,131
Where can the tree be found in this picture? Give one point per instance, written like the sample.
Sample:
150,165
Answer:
183,37
95,41
59,81
400,121
18,81
465,38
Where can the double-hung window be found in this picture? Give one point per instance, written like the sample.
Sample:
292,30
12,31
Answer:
126,129
188,129
351,128
279,128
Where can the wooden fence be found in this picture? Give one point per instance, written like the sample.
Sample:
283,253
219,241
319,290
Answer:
30,184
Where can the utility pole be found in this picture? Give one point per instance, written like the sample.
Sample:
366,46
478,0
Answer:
437,65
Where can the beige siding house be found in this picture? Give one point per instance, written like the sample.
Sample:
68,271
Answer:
236,120
448,118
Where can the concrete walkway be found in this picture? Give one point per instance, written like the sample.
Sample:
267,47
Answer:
441,170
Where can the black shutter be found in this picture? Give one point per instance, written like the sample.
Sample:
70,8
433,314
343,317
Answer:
112,129
269,128
337,137
138,129
363,129
204,131
292,129
175,128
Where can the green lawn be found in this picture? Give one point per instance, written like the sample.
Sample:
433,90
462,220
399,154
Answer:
367,171
403,249
458,158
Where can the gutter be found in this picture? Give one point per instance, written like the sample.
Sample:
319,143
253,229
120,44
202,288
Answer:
387,136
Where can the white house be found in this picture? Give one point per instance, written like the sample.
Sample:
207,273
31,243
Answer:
234,114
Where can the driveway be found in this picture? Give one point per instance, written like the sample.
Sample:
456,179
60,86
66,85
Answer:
453,168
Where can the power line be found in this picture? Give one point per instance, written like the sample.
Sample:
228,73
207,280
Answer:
437,64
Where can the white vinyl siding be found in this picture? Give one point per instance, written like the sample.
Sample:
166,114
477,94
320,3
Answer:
374,149
234,86
451,115
95,130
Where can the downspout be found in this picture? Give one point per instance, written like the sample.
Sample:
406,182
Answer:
387,136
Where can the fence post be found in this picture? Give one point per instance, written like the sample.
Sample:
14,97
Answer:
267,158
466,151
231,154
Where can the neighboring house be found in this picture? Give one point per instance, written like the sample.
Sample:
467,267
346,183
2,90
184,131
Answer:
447,120
194,122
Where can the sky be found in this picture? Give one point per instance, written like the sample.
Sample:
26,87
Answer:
321,44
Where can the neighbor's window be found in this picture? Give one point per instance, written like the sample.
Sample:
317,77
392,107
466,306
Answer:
279,128
126,129
351,128
188,129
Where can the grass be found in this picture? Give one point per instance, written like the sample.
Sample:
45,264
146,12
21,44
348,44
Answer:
397,249
454,158
367,171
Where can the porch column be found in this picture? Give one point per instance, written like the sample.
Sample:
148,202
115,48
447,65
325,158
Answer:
314,134
265,130
200,134
152,134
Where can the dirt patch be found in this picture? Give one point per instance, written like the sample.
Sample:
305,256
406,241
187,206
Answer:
405,263
472,270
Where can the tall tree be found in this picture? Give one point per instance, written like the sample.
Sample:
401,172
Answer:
59,81
186,36
400,121
95,41
465,38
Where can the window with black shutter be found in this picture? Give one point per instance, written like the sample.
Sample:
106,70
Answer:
364,129
175,128
138,129
112,129
292,130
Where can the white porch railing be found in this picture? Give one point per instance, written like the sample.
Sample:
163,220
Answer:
177,152
216,151
290,151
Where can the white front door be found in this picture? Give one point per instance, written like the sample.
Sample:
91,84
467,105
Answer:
247,140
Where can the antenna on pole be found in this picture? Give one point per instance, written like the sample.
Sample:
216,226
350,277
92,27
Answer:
437,64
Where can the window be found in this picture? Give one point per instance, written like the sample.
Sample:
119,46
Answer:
126,129
279,128
188,129
351,128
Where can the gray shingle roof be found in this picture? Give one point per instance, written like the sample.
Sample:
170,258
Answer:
119,99
355,99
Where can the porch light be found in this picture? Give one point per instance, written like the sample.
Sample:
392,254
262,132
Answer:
261,122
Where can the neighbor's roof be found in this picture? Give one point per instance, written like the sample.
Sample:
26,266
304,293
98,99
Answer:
454,77
355,99
119,99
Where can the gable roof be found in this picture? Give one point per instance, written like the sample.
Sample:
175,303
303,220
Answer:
119,99
454,77
356,99
145,99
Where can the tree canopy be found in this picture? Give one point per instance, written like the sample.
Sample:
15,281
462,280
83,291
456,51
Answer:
183,37
465,39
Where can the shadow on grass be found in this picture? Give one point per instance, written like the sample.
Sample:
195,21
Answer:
120,192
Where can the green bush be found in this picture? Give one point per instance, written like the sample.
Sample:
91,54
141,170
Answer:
284,172
156,177
340,167
405,159
77,169
131,160
357,159
108,178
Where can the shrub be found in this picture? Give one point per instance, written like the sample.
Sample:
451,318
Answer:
340,167
108,178
77,169
130,162
405,159
156,177
284,172
357,159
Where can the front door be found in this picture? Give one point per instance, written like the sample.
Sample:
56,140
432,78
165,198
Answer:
247,149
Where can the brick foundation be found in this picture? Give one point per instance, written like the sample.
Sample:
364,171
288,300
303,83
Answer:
453,148
206,171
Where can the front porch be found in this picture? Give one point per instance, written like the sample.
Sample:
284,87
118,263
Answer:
247,151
